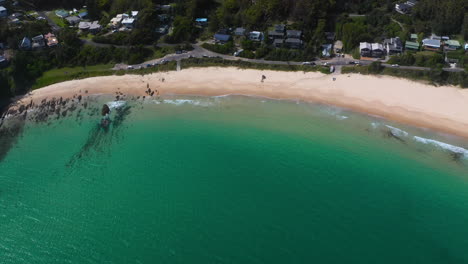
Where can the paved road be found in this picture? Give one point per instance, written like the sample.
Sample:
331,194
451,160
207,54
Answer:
52,24
199,52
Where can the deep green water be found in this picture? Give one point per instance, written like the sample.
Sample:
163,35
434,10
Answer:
232,180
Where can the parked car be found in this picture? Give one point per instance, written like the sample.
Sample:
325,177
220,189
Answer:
205,56
308,63
164,61
395,65
178,52
148,65
130,67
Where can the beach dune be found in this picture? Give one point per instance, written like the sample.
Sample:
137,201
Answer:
442,108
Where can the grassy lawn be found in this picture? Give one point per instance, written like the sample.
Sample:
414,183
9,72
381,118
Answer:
70,73
161,52
57,20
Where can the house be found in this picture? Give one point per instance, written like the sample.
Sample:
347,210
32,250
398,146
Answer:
378,50
117,20
83,15
434,36
128,23
273,34
164,8
278,43
3,61
3,12
73,20
278,32
280,28
413,37
134,14
294,34
38,42
164,18
61,13
93,27
327,50
164,29
431,44
412,45
221,38
445,38
338,46
239,31
393,45
403,8
202,21
51,40
25,44
365,49
293,43
466,46
256,36
452,45
330,36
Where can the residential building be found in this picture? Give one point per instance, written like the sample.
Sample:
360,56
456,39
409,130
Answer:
3,12
134,14
293,43
414,37
92,27
434,36
330,36
412,45
378,50
393,45
51,40
466,46
202,21
338,46
164,8
278,43
293,34
3,61
256,36
273,34
73,20
116,21
365,49
406,7
327,50
403,8
221,38
83,15
164,29
61,13
452,45
280,28
431,44
128,23
38,42
239,31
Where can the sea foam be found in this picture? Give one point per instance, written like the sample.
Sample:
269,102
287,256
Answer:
116,104
397,132
442,145
186,101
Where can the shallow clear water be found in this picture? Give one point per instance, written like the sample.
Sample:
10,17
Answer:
232,180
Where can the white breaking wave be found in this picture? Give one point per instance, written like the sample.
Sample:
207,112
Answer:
442,145
186,101
116,104
397,132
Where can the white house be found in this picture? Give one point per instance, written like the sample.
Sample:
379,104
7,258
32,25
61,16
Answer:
128,23
3,12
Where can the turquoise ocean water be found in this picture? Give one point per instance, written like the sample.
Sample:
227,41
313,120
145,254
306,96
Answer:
232,180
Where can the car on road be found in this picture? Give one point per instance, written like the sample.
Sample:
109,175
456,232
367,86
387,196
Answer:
184,51
164,61
190,56
308,63
205,56
178,52
130,67
148,65
395,65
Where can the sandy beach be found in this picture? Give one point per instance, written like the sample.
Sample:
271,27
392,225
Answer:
440,108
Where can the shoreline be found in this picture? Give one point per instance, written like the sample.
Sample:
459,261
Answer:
443,109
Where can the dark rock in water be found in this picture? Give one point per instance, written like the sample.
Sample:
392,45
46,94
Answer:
105,110
456,156
85,105
117,98
390,134
64,113
79,98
